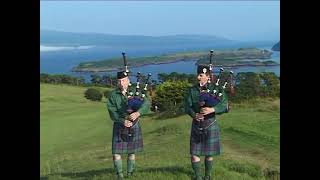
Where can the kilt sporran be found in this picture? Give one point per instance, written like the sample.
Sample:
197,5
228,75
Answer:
199,131
127,134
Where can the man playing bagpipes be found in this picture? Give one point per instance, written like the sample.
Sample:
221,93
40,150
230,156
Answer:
203,102
125,108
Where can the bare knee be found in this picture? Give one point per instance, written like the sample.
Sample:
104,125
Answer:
132,156
209,158
195,158
116,157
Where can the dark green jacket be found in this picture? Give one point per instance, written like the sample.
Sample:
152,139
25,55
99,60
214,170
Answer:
117,106
191,101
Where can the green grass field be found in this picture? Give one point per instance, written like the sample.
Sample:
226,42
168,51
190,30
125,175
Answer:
75,140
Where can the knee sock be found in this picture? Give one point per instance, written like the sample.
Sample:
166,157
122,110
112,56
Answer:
118,166
208,167
131,164
196,168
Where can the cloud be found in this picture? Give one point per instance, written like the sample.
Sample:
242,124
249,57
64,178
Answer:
62,48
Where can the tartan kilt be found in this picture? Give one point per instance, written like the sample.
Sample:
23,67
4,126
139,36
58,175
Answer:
121,147
211,145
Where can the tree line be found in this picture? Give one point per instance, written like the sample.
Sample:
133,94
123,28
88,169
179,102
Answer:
168,92
169,95
95,80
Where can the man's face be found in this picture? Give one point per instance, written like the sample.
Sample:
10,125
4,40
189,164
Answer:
203,78
123,83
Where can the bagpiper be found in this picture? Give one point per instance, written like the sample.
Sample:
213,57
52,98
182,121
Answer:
125,109
203,102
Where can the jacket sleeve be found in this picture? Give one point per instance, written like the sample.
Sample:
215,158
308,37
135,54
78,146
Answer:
222,106
145,107
113,110
188,105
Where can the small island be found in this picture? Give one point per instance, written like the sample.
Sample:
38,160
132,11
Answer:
227,58
276,47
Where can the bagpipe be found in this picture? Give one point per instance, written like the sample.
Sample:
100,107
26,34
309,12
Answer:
209,97
135,97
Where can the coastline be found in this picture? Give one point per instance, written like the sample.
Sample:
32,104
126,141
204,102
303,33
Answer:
90,70
134,66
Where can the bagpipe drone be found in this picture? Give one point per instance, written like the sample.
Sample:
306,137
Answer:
211,94
136,96
210,97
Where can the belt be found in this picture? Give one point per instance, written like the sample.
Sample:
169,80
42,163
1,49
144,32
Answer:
204,125
208,116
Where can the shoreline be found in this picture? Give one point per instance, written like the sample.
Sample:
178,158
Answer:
169,62
134,66
241,57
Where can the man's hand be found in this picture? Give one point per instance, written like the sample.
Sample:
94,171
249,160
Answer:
207,110
127,123
134,116
199,117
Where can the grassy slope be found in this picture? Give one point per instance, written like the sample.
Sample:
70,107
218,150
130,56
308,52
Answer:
76,140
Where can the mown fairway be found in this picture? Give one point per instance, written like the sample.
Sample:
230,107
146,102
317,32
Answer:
75,140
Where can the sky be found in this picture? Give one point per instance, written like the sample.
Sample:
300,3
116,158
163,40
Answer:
236,20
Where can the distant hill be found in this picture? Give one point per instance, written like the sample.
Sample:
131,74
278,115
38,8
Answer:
58,38
276,47
182,41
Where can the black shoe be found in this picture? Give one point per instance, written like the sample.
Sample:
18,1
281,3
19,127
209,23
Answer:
120,177
197,178
129,174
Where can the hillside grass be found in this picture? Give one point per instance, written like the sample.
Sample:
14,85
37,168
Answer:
75,140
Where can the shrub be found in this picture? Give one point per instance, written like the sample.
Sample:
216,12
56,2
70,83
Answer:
169,96
106,93
93,94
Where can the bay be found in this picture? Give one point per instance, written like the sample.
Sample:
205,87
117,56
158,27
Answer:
62,61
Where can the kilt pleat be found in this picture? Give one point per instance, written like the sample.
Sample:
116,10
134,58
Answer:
121,147
211,145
